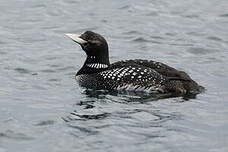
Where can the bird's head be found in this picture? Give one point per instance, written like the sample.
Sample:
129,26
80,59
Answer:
93,44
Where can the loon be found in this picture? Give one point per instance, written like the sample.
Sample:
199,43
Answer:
129,75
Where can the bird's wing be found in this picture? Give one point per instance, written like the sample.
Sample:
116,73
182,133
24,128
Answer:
163,69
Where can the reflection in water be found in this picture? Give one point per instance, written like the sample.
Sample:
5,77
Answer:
86,104
90,110
90,118
131,96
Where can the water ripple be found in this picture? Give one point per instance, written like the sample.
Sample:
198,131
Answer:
48,71
38,65
22,70
201,51
144,40
214,38
89,117
45,123
224,15
15,135
82,129
140,39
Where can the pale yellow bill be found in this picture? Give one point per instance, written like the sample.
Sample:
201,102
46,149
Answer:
76,38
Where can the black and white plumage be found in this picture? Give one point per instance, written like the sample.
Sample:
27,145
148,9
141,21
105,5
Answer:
131,75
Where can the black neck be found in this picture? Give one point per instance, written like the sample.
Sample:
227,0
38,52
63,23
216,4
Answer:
96,59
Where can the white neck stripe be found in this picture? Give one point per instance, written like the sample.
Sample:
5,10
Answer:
97,65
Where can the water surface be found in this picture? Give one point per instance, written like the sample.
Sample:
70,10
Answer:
43,109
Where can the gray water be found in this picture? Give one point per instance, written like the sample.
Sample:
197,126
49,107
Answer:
42,108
